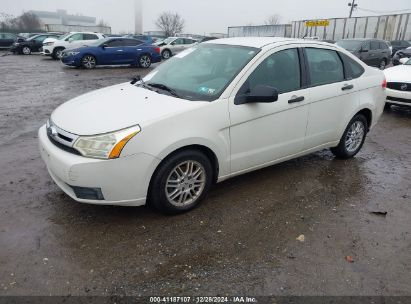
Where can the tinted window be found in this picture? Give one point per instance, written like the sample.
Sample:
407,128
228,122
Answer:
188,41
405,43
280,70
9,36
40,38
115,43
131,42
352,68
383,45
178,41
396,42
375,45
325,66
89,37
75,37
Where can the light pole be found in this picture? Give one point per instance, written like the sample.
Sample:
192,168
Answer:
353,5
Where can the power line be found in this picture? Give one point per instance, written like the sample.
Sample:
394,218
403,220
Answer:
382,12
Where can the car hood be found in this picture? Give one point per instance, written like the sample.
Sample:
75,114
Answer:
115,108
399,73
49,40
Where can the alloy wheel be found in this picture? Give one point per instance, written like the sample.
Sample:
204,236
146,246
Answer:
186,183
26,50
145,61
355,136
89,62
166,54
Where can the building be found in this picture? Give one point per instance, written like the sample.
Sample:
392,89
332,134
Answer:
279,30
61,17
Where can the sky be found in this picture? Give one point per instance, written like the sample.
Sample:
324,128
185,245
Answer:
207,16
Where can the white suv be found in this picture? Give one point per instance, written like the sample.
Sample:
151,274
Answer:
55,47
218,110
174,45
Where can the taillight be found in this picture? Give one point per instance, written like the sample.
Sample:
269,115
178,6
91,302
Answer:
157,50
384,84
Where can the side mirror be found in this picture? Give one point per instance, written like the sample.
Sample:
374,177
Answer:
20,40
70,40
104,45
259,94
364,50
173,43
404,60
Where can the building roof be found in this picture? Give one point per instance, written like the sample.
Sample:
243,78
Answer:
63,14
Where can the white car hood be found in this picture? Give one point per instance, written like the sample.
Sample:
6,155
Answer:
49,40
399,73
115,108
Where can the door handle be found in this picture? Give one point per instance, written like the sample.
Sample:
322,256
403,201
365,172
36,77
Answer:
347,87
295,99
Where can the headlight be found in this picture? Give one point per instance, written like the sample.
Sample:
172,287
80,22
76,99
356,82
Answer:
48,43
105,146
69,53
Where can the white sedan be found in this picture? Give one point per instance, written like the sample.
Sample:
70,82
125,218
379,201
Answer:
399,84
215,111
174,45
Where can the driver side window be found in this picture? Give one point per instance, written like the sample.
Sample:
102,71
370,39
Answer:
280,70
75,37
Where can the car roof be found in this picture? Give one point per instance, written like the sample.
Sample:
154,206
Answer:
260,42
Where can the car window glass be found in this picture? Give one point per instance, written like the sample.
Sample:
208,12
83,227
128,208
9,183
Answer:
325,66
89,37
131,42
280,70
374,45
75,37
178,41
115,43
366,45
188,41
9,36
383,45
353,69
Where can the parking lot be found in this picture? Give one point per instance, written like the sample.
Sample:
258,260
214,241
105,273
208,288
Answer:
354,215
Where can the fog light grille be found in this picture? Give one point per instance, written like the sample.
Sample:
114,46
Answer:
88,193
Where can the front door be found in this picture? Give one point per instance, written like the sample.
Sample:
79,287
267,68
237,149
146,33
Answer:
112,53
262,133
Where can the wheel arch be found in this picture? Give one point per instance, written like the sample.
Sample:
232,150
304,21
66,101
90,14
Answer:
367,113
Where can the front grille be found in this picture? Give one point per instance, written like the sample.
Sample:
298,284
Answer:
399,99
399,86
63,147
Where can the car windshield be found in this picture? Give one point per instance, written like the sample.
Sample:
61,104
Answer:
350,45
62,37
168,40
201,72
408,62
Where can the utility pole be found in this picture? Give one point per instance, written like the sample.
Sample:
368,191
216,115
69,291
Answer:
353,5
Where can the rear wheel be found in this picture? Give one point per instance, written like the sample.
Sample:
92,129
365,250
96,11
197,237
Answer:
26,50
353,138
383,63
88,62
57,53
145,61
181,182
166,54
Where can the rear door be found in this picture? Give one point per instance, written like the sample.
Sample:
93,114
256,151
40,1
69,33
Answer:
375,53
37,43
367,54
131,50
177,45
333,96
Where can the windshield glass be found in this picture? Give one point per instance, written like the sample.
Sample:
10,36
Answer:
98,42
350,45
62,37
202,72
408,62
168,40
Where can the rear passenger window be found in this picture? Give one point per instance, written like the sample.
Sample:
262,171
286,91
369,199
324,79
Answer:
375,45
352,68
89,37
280,70
325,66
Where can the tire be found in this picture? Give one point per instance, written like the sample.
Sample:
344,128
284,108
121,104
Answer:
57,53
144,61
166,54
88,62
182,193
26,50
355,133
382,64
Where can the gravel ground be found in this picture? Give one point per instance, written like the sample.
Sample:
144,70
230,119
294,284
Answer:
241,240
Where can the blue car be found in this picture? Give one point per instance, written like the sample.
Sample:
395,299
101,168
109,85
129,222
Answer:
113,51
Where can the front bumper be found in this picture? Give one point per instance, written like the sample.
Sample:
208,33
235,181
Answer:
71,60
123,181
402,98
47,50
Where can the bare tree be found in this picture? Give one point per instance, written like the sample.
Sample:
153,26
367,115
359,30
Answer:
103,23
273,20
170,23
27,21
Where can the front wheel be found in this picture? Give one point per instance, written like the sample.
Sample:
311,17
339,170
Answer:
26,50
58,53
383,64
145,61
353,138
88,62
180,182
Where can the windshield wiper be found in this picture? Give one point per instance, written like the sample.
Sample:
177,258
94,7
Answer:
165,88
138,78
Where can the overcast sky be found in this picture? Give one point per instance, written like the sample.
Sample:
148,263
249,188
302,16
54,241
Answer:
205,16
